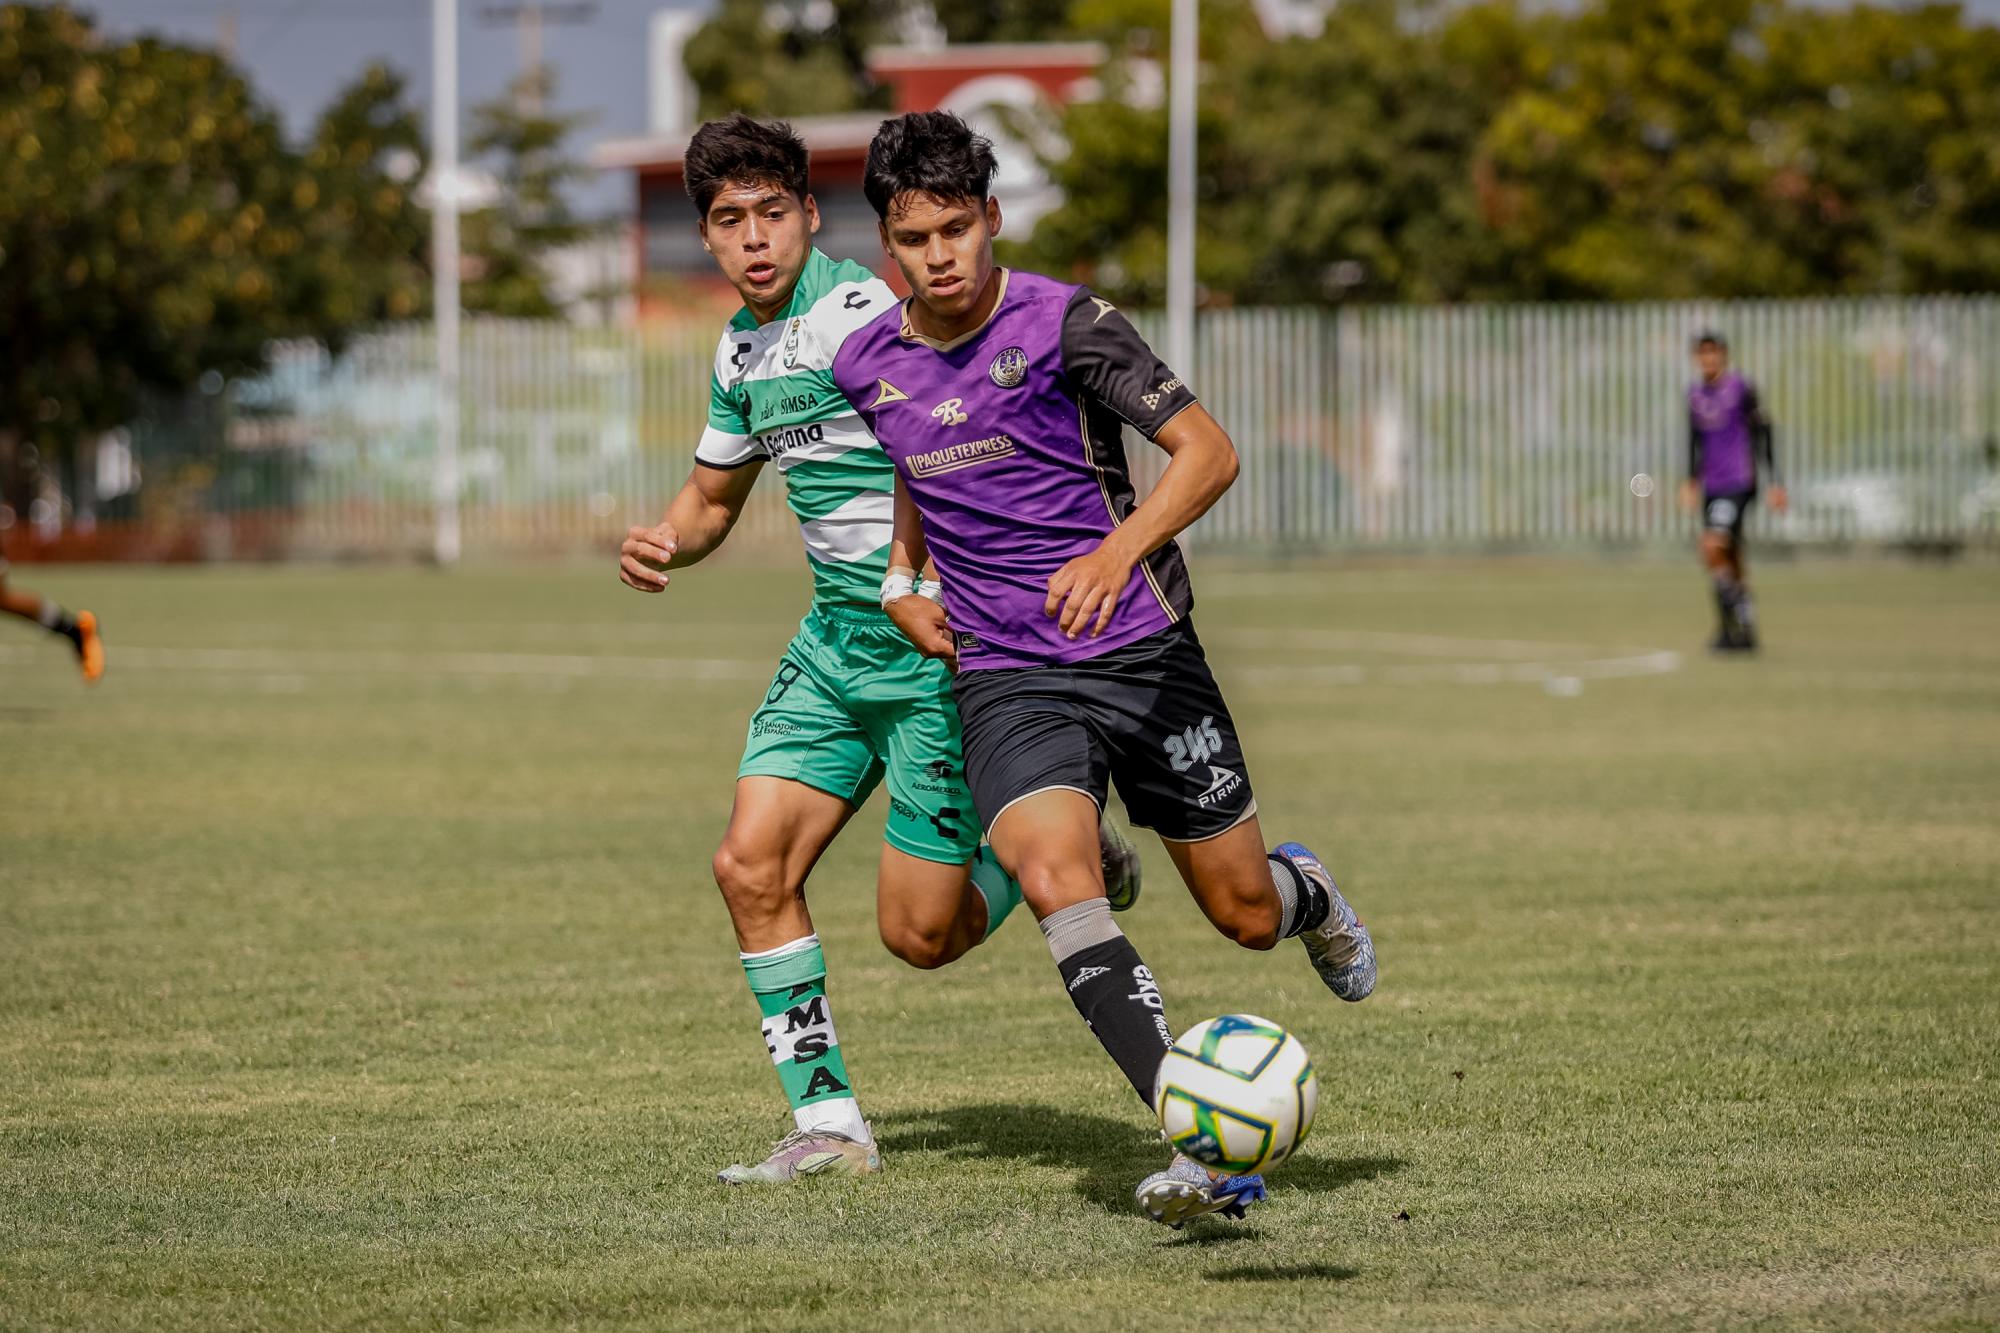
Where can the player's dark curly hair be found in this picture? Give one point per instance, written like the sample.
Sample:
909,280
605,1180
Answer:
927,152
745,152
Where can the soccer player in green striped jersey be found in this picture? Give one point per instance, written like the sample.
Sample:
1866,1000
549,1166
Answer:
852,704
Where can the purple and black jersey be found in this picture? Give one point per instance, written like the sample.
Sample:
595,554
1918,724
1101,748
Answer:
1010,441
1728,435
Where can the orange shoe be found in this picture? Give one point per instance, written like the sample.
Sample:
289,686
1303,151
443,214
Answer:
89,647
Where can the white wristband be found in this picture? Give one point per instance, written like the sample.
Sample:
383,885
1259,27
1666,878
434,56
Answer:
896,587
931,588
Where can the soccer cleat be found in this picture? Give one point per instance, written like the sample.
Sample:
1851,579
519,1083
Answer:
807,1152
1341,949
89,647
1187,1189
1121,865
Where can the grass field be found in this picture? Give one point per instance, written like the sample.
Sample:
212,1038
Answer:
359,968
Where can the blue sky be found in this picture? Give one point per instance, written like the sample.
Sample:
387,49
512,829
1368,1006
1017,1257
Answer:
300,52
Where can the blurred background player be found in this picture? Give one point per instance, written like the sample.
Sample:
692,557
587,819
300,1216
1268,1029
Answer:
1729,438
1002,396
80,629
852,701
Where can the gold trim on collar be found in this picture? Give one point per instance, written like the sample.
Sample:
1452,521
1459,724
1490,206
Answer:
911,335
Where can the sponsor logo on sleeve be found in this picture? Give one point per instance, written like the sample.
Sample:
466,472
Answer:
1165,390
1104,307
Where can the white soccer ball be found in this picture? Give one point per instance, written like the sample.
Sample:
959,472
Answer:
1237,1093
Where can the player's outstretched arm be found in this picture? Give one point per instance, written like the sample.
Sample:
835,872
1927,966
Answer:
921,619
1203,464
697,521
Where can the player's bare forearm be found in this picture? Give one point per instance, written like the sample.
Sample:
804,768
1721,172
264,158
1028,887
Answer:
696,523
1203,465
702,522
921,620
907,548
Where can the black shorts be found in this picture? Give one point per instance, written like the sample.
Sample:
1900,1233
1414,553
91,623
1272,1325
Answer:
1724,511
1147,717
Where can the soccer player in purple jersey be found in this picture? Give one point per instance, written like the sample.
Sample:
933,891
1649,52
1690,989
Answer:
1001,397
1729,437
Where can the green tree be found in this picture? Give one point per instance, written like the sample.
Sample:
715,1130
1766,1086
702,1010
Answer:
507,243
154,225
1329,167
364,253
1006,21
146,215
1683,148
1629,149
789,58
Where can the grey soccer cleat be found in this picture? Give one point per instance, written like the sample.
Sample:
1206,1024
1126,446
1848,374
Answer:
807,1152
1121,865
1187,1189
1341,949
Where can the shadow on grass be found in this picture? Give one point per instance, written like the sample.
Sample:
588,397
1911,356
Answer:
1110,1154
1284,1273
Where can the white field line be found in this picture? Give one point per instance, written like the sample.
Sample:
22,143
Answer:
1468,673
1409,645
289,668
384,662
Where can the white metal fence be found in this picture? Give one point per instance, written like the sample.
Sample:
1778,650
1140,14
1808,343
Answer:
1389,428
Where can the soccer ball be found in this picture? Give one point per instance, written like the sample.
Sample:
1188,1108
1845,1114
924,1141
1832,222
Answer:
1237,1093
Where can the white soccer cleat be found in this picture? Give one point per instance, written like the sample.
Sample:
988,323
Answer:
1187,1189
807,1152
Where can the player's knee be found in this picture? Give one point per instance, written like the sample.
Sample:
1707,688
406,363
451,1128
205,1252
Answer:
1714,546
924,945
753,886
1049,884
1251,919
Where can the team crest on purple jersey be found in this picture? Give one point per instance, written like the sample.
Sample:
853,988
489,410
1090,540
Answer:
1009,368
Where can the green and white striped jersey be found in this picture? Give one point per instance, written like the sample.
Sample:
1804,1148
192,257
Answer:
772,398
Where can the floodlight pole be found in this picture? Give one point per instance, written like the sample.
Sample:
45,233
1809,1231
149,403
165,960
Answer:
1184,60
444,266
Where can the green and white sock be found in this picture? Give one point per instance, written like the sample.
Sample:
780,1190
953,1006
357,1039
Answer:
1000,890
790,985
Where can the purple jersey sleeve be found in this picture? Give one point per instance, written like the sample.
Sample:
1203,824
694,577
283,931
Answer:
1108,360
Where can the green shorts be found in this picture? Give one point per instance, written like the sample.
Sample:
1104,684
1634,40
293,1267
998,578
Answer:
852,702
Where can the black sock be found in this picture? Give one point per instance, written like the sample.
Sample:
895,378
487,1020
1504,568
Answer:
1302,904
58,621
1726,593
1121,1004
